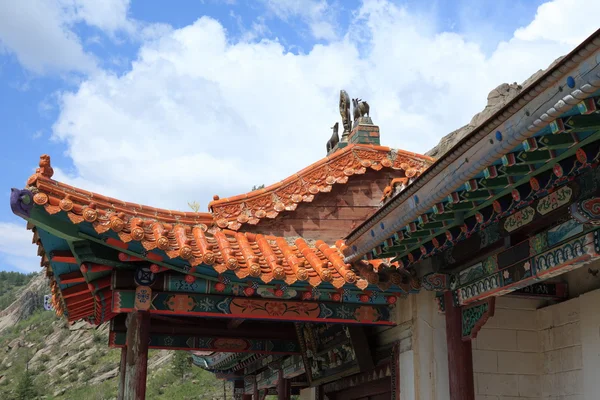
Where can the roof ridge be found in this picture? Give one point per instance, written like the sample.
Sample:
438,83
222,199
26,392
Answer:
318,177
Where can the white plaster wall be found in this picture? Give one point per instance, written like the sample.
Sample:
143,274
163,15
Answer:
423,362
506,358
308,394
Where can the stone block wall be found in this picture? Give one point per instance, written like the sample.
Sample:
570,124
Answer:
550,353
561,351
506,353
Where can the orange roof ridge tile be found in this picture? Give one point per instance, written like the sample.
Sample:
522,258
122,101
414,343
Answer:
80,203
318,177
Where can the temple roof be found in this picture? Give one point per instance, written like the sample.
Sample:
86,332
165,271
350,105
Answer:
190,238
317,178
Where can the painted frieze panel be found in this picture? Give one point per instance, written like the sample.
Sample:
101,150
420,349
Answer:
516,253
464,249
556,290
519,219
239,307
249,384
268,377
435,282
328,352
567,256
537,266
587,211
554,200
292,366
474,316
562,232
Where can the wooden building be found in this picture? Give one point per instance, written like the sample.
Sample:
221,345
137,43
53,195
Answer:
370,273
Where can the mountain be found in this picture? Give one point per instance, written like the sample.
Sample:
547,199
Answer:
45,357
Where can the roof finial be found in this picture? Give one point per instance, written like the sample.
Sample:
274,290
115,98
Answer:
45,168
345,113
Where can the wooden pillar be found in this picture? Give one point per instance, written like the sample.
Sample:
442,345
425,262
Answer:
460,357
247,397
137,355
121,391
255,396
283,387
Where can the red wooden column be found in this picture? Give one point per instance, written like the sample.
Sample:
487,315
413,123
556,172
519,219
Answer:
283,388
460,357
255,396
137,355
121,390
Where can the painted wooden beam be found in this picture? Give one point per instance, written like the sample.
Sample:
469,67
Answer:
199,305
207,343
216,327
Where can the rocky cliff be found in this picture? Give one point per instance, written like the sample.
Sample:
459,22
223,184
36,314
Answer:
496,99
63,361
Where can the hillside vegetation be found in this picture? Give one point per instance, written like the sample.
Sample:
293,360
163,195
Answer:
44,357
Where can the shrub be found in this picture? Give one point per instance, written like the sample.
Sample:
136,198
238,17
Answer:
98,337
25,388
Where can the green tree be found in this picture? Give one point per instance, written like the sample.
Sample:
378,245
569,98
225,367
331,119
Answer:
181,363
26,389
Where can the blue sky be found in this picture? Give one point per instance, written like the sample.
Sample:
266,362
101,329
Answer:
164,103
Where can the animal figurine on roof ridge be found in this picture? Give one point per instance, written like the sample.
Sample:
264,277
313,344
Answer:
335,138
360,109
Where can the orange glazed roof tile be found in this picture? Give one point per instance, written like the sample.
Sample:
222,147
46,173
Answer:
319,177
189,236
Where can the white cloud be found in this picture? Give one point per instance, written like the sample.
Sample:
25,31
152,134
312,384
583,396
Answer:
199,114
16,248
35,32
40,32
319,15
107,15
554,22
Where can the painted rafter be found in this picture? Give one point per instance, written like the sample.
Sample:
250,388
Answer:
503,132
177,283
587,150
